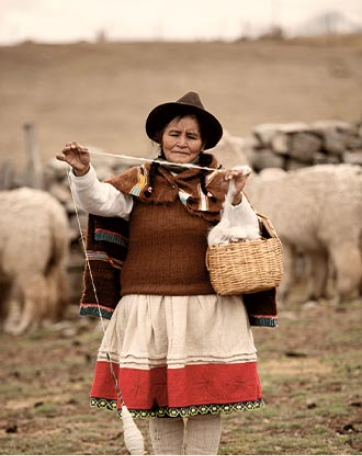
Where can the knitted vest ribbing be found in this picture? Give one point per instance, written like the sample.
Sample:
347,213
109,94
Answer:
166,253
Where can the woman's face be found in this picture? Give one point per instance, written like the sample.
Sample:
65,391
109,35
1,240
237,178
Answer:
181,140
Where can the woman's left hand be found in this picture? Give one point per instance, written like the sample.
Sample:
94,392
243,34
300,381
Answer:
240,176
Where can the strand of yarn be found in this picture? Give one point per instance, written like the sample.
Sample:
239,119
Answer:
153,160
133,438
84,248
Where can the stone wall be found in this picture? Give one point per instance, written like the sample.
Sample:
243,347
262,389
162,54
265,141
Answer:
295,145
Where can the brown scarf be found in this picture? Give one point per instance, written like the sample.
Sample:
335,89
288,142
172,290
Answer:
185,185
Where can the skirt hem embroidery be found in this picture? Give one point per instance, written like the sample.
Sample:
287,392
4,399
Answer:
175,412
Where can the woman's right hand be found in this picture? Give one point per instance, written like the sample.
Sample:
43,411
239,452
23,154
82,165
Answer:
77,157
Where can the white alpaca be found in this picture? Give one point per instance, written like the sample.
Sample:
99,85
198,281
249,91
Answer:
235,225
34,240
317,211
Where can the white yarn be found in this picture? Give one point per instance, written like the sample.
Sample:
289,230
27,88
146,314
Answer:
153,160
133,438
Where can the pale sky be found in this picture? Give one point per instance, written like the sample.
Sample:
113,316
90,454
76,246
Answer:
61,21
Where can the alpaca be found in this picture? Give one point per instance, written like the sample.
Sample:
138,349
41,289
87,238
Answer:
234,225
317,213
34,241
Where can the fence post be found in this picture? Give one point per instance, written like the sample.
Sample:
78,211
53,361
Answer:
34,173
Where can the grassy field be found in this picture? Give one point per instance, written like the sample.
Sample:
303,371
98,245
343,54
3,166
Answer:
310,368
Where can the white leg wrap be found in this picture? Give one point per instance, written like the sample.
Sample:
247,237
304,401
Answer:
167,435
203,434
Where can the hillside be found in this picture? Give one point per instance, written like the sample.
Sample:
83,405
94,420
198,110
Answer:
100,94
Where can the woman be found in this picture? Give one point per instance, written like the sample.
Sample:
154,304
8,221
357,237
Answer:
181,354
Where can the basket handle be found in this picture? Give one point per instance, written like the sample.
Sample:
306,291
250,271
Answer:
207,259
264,221
267,224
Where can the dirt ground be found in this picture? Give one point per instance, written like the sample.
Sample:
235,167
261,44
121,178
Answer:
310,368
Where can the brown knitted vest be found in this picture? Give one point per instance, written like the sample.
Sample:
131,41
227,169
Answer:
166,252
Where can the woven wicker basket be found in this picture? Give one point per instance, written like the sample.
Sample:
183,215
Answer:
247,266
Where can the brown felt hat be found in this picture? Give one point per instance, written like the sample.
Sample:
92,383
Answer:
189,103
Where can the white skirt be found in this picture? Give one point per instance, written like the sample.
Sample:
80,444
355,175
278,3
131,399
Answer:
177,356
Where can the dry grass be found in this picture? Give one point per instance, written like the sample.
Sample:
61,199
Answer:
100,94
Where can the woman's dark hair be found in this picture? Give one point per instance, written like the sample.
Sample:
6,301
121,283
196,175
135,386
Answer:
205,160
155,165
152,175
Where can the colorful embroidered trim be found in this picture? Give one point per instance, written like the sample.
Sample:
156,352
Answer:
184,196
93,310
97,255
270,322
184,412
203,206
142,174
110,236
210,177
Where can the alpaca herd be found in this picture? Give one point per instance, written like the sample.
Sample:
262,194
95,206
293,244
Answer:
316,211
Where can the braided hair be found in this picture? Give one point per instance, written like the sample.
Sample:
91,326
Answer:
152,175
205,160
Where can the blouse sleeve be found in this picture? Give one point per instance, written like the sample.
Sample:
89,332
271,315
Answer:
99,198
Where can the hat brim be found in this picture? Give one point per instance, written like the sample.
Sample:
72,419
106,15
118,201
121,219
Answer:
162,114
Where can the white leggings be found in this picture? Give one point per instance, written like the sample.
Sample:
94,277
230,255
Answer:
195,435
